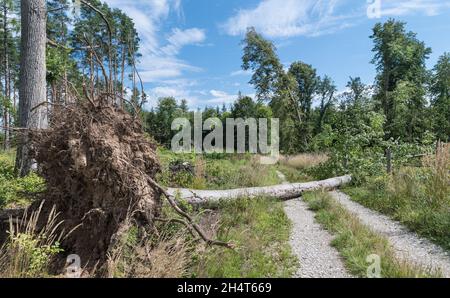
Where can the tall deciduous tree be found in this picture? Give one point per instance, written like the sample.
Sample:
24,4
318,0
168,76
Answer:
357,91
326,90
260,57
400,60
32,92
274,85
306,85
440,91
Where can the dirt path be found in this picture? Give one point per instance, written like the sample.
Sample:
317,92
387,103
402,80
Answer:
311,243
407,245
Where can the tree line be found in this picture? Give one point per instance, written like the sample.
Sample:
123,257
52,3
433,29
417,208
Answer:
407,103
95,52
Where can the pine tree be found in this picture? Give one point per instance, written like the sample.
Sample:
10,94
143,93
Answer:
32,93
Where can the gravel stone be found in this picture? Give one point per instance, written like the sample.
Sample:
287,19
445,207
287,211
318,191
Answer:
311,243
408,246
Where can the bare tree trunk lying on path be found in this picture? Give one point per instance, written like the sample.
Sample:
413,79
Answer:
283,192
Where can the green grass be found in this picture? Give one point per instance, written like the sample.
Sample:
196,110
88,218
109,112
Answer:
294,175
408,198
219,171
260,230
355,242
15,191
258,227
418,197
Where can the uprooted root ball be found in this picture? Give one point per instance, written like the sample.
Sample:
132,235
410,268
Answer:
97,161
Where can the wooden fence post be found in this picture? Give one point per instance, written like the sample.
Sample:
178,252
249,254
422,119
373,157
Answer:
389,160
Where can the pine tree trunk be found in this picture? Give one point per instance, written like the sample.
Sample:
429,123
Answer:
32,89
6,105
122,88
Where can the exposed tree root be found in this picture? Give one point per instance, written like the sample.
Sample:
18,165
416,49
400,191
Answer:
100,169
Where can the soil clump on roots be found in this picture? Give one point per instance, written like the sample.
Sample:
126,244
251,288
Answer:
97,162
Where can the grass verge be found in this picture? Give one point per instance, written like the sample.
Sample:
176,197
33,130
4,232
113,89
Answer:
418,197
260,229
355,242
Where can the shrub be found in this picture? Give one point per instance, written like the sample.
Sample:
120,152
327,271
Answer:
28,252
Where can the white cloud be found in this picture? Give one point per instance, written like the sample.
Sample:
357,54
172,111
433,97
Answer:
178,88
220,97
180,38
167,92
218,93
407,7
290,18
287,18
159,56
240,72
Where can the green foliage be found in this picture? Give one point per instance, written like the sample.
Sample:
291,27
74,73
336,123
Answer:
159,121
440,91
260,57
37,255
252,224
325,90
14,190
357,148
307,84
400,61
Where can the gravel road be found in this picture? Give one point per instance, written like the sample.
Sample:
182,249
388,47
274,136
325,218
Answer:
407,245
311,243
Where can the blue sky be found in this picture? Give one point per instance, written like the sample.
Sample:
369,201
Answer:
191,48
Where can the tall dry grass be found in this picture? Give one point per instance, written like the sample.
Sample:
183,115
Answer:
437,170
166,256
28,252
304,160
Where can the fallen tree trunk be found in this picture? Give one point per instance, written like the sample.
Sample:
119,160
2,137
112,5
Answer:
282,192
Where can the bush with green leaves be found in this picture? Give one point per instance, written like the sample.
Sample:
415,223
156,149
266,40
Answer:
35,256
356,149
